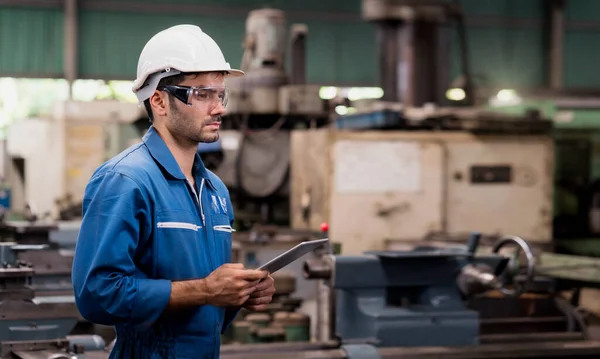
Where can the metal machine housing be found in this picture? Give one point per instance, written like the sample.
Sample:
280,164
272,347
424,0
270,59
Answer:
375,188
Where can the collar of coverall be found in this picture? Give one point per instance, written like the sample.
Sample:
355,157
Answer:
161,154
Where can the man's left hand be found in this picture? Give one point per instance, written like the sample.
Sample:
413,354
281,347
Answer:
262,295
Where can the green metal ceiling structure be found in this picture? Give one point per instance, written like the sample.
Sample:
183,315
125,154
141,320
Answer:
506,38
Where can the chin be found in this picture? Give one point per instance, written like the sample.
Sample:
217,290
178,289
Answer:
210,137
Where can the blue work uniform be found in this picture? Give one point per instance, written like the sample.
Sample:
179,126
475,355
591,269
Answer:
144,225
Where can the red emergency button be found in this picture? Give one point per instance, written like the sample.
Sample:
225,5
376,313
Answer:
324,227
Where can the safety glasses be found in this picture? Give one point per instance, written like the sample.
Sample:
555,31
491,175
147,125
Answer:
199,97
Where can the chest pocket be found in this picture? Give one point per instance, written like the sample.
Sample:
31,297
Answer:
179,248
223,232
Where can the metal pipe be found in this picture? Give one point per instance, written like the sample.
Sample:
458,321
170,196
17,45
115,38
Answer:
70,50
321,268
316,268
231,349
583,349
532,337
545,349
298,50
389,59
557,32
325,311
464,53
314,354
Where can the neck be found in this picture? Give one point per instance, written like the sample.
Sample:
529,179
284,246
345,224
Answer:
183,151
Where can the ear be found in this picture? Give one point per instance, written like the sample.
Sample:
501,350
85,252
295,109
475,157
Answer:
159,103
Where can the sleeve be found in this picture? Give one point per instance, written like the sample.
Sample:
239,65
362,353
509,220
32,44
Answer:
108,287
230,313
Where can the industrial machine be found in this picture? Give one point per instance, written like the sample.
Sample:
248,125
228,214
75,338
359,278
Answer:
49,251
52,279
576,137
435,302
406,168
376,188
30,329
253,153
78,136
413,39
414,298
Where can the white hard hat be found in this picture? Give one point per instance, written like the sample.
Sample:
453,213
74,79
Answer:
181,48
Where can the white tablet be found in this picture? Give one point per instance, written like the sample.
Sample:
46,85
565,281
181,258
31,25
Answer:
291,255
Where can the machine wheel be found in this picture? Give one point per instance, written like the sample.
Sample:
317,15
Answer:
507,277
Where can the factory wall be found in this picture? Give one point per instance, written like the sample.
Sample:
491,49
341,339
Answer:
507,38
31,42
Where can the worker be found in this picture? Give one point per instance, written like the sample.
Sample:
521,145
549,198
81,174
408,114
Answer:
154,249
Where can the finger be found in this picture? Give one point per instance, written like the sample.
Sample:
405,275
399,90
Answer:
262,293
264,284
247,291
241,301
242,284
254,275
233,265
256,308
259,300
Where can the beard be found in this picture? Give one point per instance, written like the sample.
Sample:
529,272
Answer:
187,128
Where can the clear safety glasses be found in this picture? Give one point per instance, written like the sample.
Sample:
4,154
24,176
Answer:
199,97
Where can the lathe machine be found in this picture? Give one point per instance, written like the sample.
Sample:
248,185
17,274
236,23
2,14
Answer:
436,303
30,329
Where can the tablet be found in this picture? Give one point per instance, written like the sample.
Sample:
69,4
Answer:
291,255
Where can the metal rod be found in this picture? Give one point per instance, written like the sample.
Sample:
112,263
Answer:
316,268
325,315
532,337
571,349
389,59
464,53
277,347
555,55
583,349
70,49
298,42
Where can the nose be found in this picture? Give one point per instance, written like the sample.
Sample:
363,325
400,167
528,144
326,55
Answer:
218,109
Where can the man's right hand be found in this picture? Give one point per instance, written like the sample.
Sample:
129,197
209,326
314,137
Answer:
232,285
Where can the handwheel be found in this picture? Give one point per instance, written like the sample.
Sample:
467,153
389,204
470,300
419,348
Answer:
506,277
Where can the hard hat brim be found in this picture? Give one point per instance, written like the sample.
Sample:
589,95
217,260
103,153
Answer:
144,93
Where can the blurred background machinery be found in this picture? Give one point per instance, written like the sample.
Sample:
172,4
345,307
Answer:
32,328
430,301
253,154
397,182
51,159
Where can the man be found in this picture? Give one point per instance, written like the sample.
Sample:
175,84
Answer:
153,253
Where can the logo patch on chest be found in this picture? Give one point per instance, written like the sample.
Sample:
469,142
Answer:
223,202
215,205
218,204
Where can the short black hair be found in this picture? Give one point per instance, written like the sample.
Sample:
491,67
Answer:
167,81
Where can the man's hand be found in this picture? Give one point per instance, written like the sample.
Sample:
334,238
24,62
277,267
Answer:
232,285
262,295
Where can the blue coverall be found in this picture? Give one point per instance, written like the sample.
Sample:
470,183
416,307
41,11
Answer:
144,226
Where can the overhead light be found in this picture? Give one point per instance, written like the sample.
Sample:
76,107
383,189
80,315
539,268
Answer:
363,93
341,110
506,97
328,92
456,94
